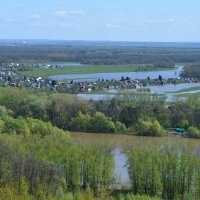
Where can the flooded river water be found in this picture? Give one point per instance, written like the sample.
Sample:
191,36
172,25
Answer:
119,142
174,73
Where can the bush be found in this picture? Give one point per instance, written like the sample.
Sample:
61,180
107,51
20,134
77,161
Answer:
150,128
81,122
193,132
120,127
100,123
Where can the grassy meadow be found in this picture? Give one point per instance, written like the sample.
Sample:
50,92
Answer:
87,69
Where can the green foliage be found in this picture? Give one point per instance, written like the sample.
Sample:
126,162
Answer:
72,113
27,126
81,122
1,126
97,165
91,53
19,125
9,191
52,164
98,123
149,128
144,171
193,132
170,170
164,64
136,197
191,71
128,115
62,108
120,127
101,123
11,97
184,123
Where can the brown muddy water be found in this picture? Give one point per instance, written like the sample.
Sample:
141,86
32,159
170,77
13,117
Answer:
121,141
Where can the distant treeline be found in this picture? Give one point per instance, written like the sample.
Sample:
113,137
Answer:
99,54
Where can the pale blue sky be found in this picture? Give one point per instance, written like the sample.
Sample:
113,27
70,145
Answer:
124,20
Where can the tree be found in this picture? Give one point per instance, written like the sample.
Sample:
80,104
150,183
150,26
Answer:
102,124
149,128
160,78
81,122
193,132
53,83
128,116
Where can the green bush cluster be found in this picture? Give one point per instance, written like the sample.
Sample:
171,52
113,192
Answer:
98,123
193,132
117,115
149,128
52,165
48,163
26,126
167,170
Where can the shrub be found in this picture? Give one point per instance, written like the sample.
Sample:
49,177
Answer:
149,128
100,123
193,132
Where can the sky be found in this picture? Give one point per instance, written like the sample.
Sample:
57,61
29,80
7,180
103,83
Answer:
107,20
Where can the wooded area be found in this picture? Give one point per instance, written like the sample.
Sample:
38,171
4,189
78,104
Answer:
101,54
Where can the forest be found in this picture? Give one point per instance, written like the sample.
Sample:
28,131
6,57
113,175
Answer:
134,114
102,53
40,161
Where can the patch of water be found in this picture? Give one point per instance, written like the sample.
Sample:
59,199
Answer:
175,73
121,170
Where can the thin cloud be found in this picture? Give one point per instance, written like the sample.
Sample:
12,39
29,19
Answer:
157,22
35,24
41,24
35,17
64,13
15,20
113,25
76,12
60,13
67,25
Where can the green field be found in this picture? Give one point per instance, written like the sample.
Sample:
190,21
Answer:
44,62
86,69
193,95
187,90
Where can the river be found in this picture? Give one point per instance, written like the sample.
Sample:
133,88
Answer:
175,73
170,90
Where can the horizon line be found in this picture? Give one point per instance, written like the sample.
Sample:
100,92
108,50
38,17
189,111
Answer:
98,40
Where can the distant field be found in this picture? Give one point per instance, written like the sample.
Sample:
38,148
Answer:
187,90
194,95
88,69
31,62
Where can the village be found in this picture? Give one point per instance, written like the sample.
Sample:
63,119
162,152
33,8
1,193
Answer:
11,75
